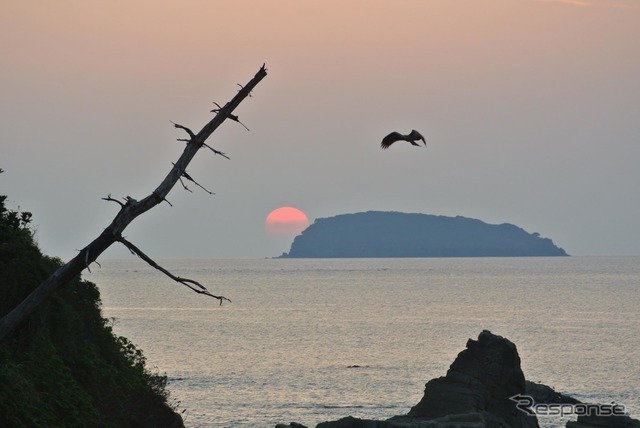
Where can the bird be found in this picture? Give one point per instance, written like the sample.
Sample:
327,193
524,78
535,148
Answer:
412,137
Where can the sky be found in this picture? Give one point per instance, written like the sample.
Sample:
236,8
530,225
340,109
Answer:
530,108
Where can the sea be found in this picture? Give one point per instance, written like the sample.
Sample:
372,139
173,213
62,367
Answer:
311,340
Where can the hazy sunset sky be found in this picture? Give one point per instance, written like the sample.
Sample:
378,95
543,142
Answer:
531,110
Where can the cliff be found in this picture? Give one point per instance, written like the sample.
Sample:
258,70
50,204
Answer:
64,366
395,234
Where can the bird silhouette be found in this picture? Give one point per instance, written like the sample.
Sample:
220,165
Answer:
412,137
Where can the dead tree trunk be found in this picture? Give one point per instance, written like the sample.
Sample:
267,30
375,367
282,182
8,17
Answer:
128,212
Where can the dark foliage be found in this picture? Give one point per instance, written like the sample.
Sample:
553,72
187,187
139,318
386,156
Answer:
64,366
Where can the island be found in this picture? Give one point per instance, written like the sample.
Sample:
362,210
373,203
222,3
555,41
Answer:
395,234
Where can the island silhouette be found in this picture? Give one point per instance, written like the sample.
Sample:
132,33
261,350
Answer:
396,234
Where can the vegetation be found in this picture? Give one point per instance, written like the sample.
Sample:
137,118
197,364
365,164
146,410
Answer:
395,234
64,366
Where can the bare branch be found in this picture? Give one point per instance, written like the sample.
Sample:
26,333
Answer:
188,177
164,199
242,88
235,118
109,198
192,136
197,184
216,151
231,116
192,284
86,259
184,185
128,212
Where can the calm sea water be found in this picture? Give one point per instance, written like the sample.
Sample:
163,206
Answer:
281,351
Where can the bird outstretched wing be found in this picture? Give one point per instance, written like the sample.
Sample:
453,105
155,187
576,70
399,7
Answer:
412,137
415,136
390,139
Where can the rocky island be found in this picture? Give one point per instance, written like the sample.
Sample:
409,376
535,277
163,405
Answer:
486,388
396,234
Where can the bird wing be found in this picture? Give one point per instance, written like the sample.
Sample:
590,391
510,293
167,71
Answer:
415,135
390,139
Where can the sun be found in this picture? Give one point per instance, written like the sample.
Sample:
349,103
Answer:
285,221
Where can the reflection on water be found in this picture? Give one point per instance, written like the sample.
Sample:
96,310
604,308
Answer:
281,351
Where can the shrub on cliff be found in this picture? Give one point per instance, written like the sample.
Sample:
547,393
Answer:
64,366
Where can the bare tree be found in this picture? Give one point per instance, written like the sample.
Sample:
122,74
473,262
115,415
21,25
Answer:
129,210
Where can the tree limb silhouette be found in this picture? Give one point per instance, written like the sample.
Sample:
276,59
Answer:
199,288
127,213
188,177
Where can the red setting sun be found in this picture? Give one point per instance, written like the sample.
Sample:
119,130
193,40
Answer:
285,221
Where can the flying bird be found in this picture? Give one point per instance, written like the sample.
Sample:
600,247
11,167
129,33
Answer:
412,137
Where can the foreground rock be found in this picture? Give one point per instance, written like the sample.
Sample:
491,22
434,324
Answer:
481,380
604,422
476,393
467,420
546,395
